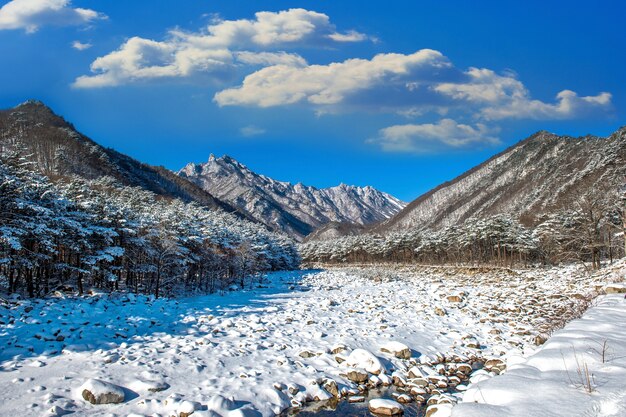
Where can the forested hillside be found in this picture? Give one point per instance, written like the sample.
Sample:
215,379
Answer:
99,233
58,150
548,199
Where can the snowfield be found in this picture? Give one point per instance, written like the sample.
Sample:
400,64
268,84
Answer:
438,334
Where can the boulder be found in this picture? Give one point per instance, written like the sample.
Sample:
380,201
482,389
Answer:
100,392
361,358
495,364
397,349
385,407
616,288
357,375
439,410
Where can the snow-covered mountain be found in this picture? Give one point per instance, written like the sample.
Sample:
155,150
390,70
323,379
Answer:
59,151
294,209
540,175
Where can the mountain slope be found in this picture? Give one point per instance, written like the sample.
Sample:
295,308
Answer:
60,151
539,175
295,209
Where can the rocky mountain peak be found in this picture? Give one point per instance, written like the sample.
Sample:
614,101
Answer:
294,209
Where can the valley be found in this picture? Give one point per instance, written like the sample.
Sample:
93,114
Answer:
293,339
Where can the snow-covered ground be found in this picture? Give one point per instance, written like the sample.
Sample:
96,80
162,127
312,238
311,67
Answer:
302,336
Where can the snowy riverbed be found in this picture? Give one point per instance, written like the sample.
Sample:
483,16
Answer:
293,340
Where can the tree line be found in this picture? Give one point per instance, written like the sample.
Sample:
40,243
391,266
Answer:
100,234
590,230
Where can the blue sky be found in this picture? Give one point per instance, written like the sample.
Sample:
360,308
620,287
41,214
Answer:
399,95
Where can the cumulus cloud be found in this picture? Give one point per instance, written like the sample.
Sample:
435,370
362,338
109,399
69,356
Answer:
329,84
80,46
250,131
411,85
30,15
429,137
217,50
503,96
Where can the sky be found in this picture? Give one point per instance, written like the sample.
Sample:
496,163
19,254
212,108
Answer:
399,95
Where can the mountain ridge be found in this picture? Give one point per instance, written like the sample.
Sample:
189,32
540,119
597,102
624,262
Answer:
59,150
559,166
296,209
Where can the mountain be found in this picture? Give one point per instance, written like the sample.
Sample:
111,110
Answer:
538,176
294,209
58,151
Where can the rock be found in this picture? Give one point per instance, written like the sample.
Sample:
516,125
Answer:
306,354
100,392
338,348
361,358
186,408
402,398
464,368
439,410
471,343
540,339
616,288
397,349
495,363
356,399
455,298
385,407
357,375
415,372
148,386
331,387
440,311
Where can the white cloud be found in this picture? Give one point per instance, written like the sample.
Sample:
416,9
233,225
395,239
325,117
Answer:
428,137
503,96
250,131
219,50
270,58
350,36
30,15
80,46
410,85
328,84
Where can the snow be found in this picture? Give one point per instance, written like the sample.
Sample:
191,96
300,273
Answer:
101,389
362,359
241,353
553,381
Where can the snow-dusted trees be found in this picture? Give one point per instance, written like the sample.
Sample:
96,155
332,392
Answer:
99,234
591,230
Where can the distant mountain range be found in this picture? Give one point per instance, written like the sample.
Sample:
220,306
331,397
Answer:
59,151
295,209
536,177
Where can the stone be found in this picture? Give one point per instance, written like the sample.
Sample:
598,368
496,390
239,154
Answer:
331,387
495,364
616,288
540,339
385,407
100,392
455,298
397,349
306,354
439,410
361,358
356,399
357,375
440,311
